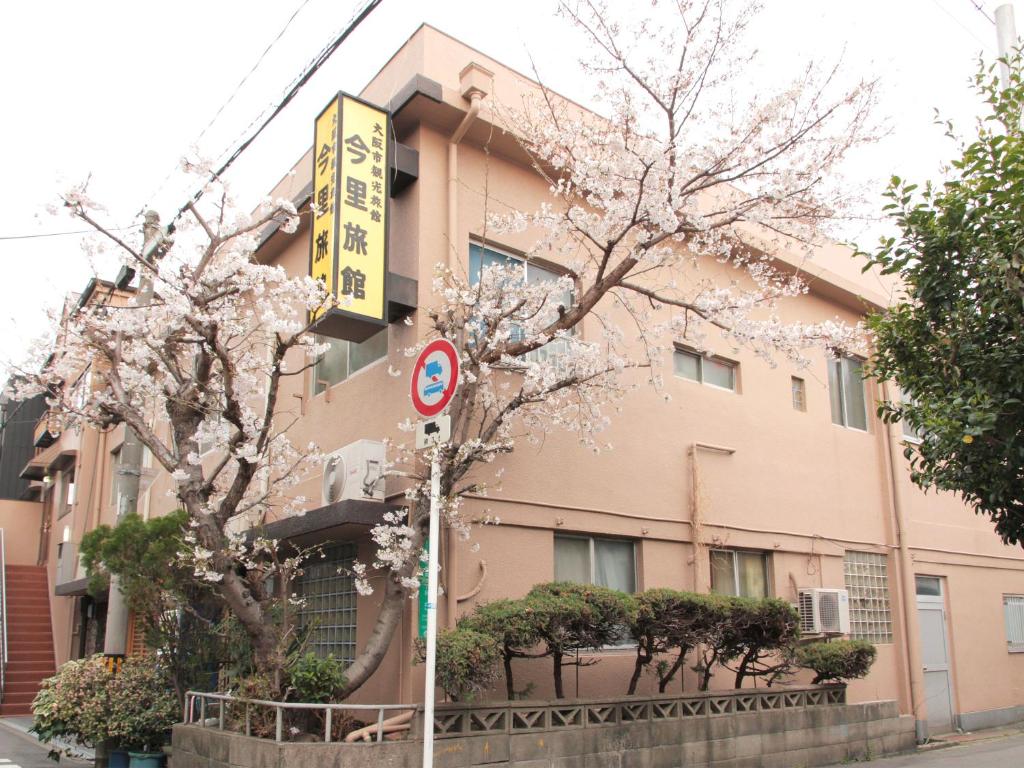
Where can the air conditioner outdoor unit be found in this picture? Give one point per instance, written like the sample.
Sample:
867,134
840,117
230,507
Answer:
354,472
824,611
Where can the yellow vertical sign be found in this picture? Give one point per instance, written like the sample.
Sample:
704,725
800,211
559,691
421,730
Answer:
362,205
324,245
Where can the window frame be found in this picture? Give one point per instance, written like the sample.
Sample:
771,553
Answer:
1018,601
349,373
528,264
593,551
914,437
798,384
765,556
701,358
863,612
842,362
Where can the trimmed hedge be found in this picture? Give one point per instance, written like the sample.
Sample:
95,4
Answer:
838,660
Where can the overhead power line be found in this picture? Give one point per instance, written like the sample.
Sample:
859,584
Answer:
982,10
70,232
310,70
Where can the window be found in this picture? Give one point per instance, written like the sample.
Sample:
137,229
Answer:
867,580
846,393
706,370
480,257
910,433
344,358
328,616
743,574
798,391
604,562
67,493
1013,610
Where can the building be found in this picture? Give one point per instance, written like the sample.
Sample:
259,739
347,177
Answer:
751,480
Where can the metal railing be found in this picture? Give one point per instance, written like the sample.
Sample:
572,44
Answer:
221,701
3,614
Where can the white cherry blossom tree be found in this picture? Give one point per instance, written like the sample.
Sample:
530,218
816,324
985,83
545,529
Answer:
678,180
649,205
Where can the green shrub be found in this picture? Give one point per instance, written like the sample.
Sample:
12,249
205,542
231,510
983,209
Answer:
763,635
669,621
74,703
142,705
837,661
514,629
316,680
571,617
466,662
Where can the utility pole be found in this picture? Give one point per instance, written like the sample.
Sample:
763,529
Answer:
1006,40
129,470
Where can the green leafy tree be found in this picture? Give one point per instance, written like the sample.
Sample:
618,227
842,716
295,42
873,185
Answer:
142,704
512,624
763,635
955,345
573,617
667,621
837,661
171,604
467,662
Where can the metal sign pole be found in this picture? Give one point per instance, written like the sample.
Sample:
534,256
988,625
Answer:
435,538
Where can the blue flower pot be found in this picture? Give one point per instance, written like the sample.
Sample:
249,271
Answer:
146,759
118,758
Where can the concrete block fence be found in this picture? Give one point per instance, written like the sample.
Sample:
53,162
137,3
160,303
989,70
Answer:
768,728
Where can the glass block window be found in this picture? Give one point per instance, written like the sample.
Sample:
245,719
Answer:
867,580
328,617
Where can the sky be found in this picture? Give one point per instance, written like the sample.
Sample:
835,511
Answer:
118,92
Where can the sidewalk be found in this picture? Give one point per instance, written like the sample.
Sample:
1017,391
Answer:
21,724
20,749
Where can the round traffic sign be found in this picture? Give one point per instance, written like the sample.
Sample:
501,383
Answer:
435,377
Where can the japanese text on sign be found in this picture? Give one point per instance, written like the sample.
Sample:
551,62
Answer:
322,260
362,209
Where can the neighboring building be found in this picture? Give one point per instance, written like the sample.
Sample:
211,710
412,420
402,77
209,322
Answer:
751,481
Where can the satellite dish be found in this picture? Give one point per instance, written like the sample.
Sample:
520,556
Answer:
334,478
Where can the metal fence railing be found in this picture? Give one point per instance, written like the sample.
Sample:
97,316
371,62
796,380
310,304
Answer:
3,614
201,708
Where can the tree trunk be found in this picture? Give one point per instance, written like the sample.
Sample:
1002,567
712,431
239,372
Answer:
388,618
556,658
509,687
642,659
741,670
668,676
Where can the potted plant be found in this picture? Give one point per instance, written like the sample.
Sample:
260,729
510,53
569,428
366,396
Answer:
142,709
72,706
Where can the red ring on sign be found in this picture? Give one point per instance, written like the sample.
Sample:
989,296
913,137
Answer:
448,349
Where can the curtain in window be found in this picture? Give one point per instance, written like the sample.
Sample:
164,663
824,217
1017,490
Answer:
835,391
572,559
853,390
613,565
723,574
753,574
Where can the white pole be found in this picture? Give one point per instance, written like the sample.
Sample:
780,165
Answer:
435,540
1006,40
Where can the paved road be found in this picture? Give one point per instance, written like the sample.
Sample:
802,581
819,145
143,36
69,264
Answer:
998,753
19,750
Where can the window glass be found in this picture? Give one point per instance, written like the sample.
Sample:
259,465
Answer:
928,586
718,374
723,573
752,568
687,365
613,564
606,562
835,391
799,393
853,391
1013,612
866,576
328,615
344,358
572,559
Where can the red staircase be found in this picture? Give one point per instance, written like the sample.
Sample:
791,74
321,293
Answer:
29,638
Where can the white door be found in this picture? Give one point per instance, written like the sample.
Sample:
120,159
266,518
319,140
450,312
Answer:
931,618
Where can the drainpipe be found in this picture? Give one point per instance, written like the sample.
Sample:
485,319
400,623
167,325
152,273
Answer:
474,84
908,587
